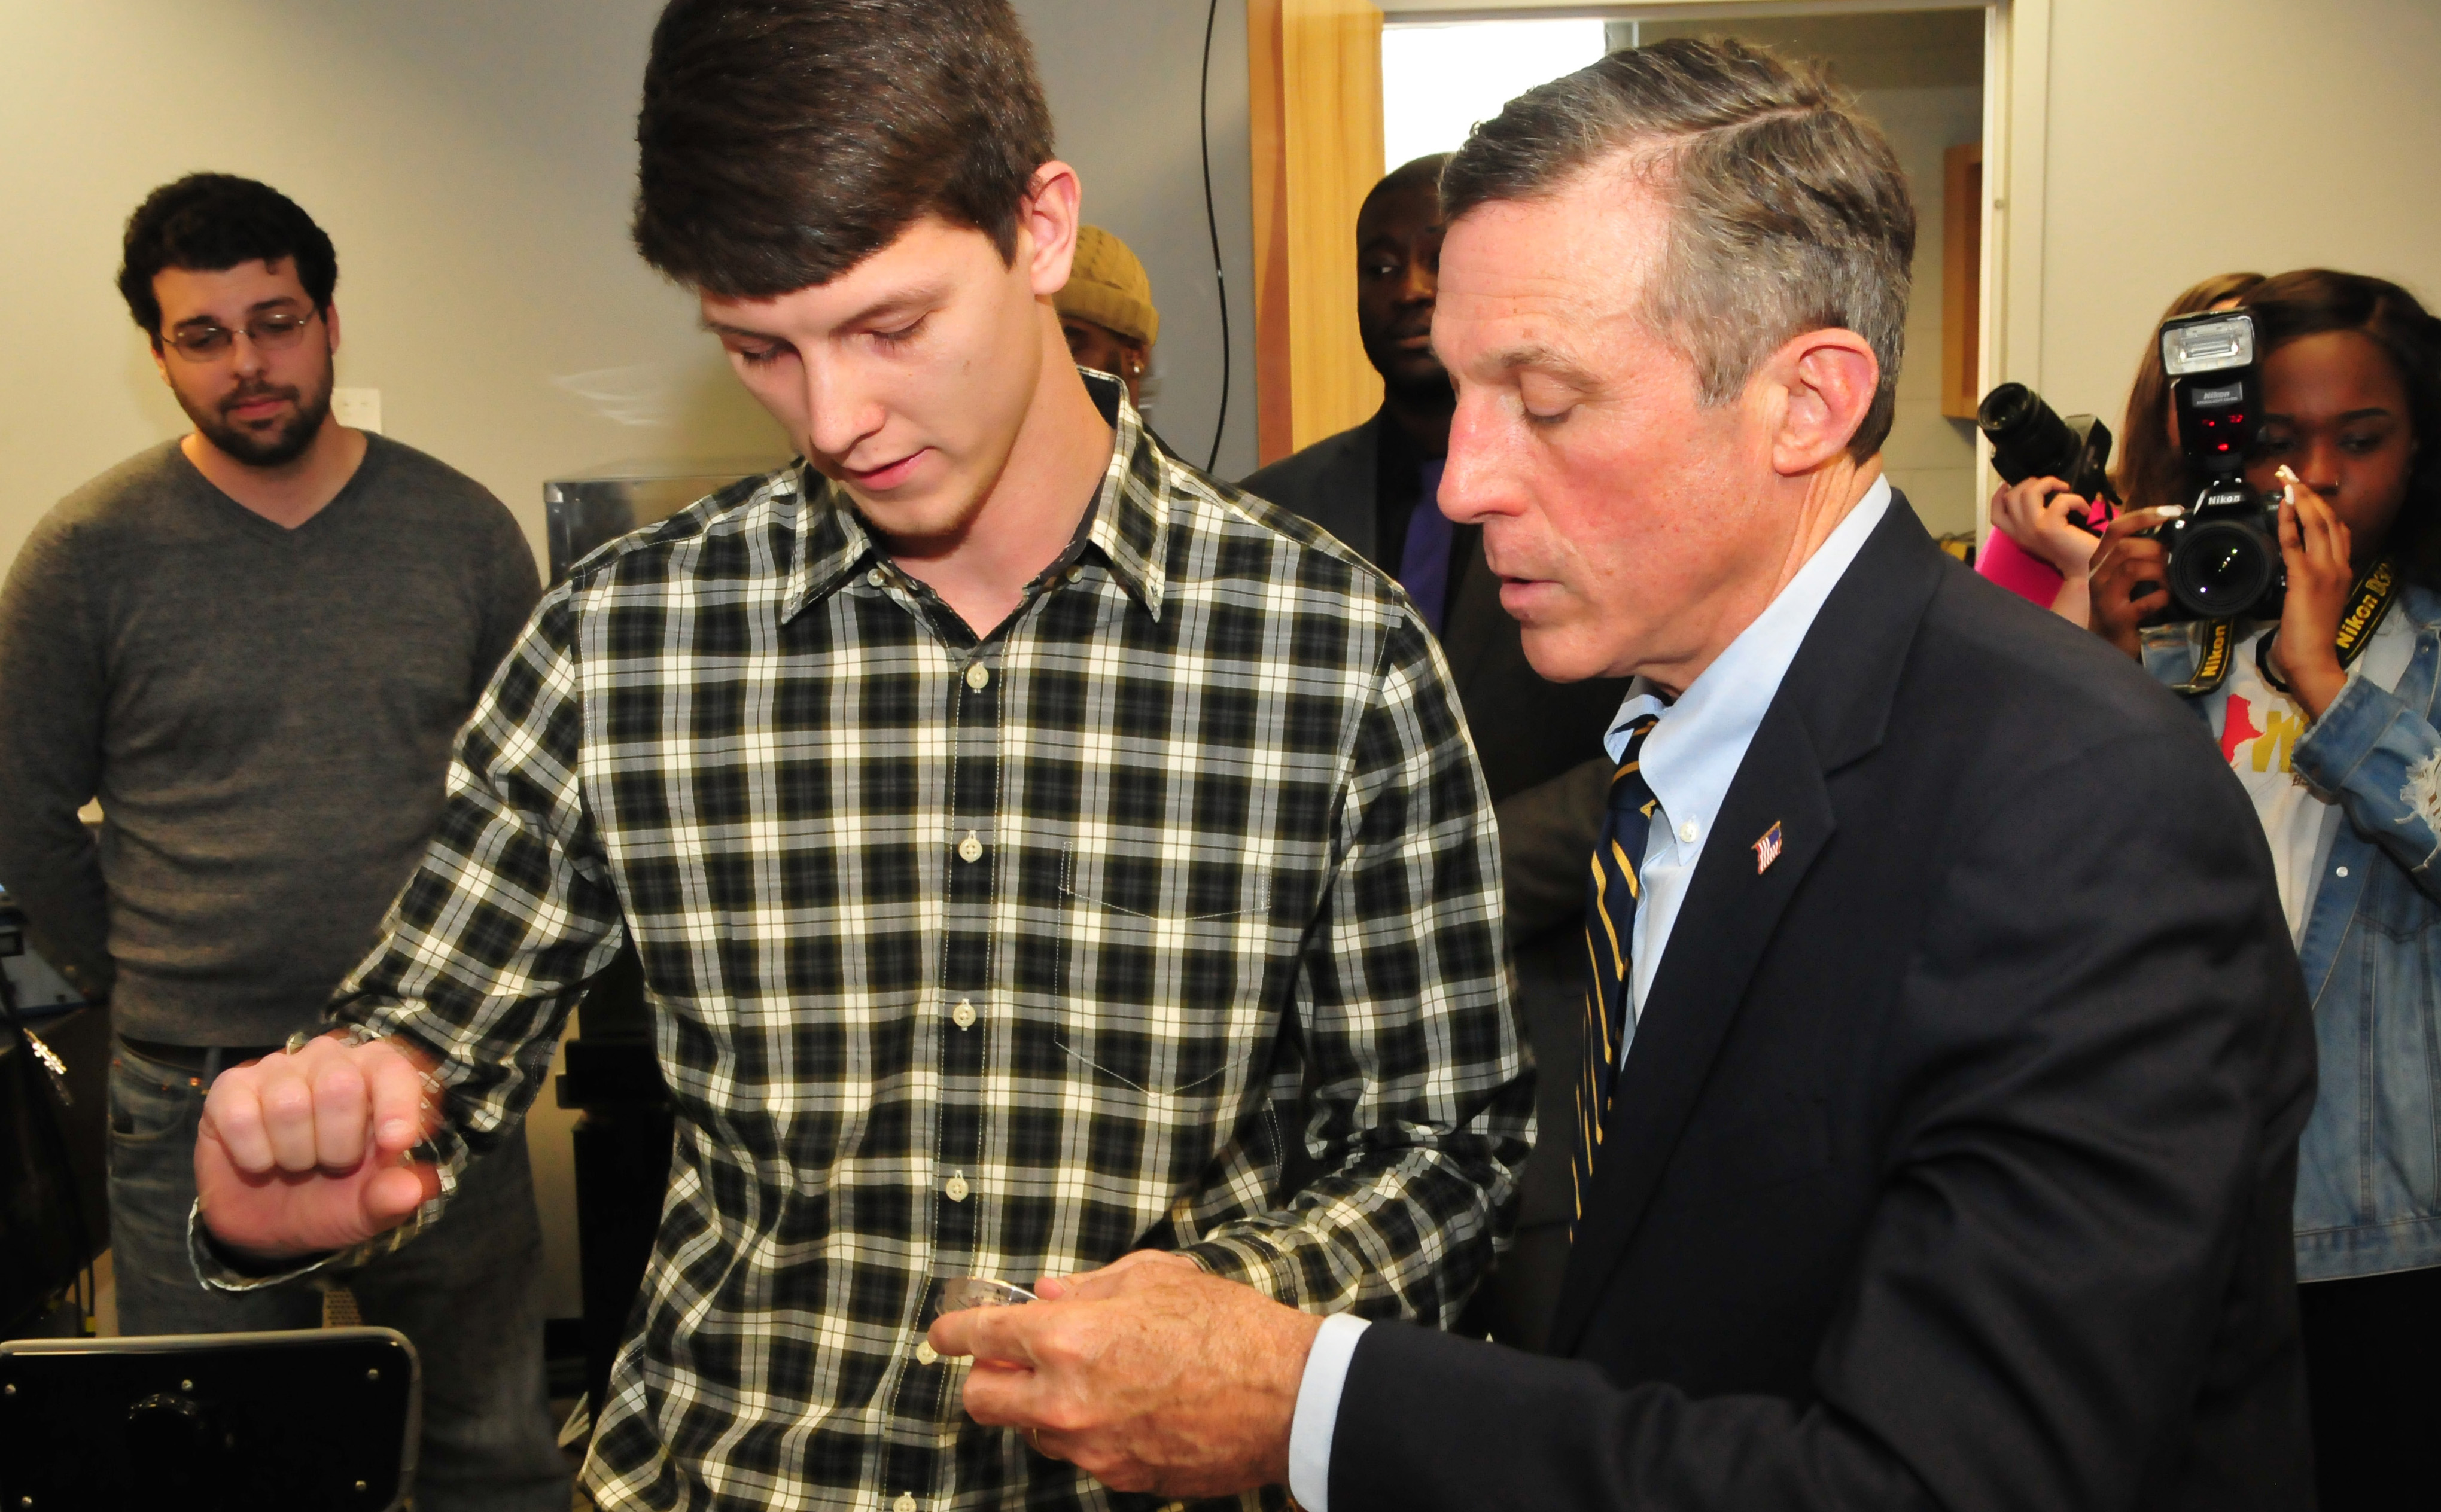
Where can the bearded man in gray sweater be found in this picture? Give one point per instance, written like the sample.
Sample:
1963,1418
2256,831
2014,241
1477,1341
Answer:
255,645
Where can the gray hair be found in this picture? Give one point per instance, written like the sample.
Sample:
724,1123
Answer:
1789,210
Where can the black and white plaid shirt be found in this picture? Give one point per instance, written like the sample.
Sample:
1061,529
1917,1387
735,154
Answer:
974,958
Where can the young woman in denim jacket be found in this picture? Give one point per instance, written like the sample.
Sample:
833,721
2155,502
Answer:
2344,766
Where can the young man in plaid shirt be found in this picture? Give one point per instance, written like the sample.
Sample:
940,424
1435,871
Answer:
1012,821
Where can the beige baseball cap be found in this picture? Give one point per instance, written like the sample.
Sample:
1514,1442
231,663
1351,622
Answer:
1108,286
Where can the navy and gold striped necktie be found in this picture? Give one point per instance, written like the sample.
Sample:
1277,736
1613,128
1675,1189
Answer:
1610,916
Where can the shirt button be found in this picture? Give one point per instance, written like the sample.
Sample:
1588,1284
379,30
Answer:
1688,832
977,676
2344,871
926,1354
963,1015
956,1188
905,1502
1075,574
970,849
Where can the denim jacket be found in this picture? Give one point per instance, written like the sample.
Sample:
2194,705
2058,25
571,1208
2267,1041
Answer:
2369,1165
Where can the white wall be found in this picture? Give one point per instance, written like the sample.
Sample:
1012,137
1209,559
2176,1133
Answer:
1440,79
474,162
2193,136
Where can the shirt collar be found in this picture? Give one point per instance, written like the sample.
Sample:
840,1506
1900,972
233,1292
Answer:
1131,519
1127,521
1695,751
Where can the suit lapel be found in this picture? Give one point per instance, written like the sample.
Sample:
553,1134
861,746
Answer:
1831,709
1722,929
1351,490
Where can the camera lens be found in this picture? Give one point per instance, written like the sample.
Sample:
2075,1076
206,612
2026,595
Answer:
2220,568
2029,440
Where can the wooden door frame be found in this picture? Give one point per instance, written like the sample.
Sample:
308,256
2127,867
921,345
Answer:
1304,58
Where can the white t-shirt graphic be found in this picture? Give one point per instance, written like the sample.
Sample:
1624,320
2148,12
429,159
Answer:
2258,728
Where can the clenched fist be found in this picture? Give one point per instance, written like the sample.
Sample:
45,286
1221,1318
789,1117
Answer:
305,1153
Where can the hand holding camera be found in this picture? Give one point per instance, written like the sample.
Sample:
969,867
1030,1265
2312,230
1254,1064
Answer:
2048,518
2314,546
2130,567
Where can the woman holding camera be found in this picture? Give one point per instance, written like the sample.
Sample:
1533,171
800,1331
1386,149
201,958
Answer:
2342,758
2037,550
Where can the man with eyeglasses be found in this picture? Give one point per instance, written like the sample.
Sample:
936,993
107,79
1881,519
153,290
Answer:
254,645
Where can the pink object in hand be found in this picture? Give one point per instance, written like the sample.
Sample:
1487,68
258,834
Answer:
2018,570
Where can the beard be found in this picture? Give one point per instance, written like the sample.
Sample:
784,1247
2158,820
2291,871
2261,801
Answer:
257,448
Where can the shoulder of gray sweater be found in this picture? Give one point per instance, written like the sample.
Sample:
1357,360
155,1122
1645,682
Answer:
121,493
410,469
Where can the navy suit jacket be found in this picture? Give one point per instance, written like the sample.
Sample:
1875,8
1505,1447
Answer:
1951,1165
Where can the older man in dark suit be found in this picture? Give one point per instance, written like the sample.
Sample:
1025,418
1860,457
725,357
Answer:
1948,1051
1376,487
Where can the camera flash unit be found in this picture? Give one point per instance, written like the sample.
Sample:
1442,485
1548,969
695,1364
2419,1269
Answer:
2213,343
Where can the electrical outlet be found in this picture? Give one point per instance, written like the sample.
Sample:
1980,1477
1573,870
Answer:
358,409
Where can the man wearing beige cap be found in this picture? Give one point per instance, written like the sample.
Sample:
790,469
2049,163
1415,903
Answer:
1106,310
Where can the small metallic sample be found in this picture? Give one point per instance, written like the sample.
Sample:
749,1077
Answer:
958,1294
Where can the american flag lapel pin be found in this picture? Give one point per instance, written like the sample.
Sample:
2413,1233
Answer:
1767,849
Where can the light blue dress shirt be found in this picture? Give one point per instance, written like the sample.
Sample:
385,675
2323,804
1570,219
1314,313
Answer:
1690,760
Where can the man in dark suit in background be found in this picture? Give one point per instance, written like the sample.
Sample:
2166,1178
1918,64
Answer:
1952,1056
1376,487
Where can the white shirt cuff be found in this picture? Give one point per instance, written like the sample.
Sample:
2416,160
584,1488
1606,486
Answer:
1317,1410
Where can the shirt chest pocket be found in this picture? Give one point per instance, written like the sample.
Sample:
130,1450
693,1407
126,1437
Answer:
1163,964
2393,904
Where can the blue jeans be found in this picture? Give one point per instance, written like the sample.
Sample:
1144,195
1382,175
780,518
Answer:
465,1291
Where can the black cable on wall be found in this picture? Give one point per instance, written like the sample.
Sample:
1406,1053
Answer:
1212,224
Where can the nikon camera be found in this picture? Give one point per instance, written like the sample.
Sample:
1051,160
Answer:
2029,440
2224,551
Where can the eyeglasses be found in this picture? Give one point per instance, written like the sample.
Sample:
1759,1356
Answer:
276,331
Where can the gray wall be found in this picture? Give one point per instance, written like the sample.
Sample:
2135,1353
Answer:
1122,81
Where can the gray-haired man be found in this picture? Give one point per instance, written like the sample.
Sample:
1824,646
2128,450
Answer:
1938,1139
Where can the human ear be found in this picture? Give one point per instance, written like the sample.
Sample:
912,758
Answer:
331,326
1049,217
1824,382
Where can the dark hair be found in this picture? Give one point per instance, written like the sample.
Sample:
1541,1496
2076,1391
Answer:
2150,470
1790,211
2311,301
782,142
209,222
1417,172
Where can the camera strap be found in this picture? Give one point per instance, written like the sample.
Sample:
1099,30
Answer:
2368,606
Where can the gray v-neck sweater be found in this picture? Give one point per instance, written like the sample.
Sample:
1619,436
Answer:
265,715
